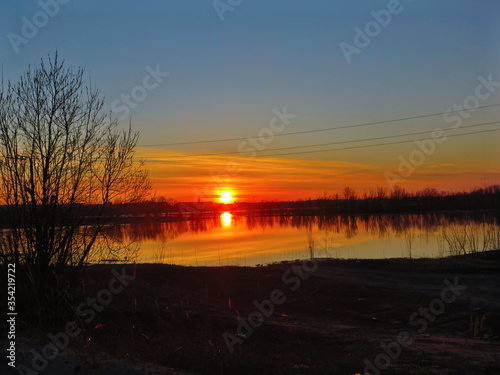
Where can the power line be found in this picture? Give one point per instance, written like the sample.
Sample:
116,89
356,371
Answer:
319,130
344,142
366,146
380,144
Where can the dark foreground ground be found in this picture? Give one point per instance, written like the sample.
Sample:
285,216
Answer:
347,317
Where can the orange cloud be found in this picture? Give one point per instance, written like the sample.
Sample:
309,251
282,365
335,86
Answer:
188,177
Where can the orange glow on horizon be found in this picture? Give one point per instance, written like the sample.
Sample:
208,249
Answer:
238,178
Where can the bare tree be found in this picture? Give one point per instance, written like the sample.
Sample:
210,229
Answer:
349,193
381,192
398,192
63,161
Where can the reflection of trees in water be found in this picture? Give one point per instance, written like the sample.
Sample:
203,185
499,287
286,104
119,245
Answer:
168,230
348,225
380,225
162,231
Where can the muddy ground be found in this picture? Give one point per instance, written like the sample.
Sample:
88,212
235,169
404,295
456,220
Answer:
398,316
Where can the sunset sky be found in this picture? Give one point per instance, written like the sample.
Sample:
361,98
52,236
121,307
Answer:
277,70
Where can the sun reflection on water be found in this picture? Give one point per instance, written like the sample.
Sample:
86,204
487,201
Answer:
226,219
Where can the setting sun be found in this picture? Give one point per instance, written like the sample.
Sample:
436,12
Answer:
226,197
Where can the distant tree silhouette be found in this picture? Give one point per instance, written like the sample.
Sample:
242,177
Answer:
349,193
62,162
381,192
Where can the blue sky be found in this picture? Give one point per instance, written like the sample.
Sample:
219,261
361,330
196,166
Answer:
227,76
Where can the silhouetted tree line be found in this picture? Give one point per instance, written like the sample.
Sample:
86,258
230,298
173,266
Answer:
376,201
381,200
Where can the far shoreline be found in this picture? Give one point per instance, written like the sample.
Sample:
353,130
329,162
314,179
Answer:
470,261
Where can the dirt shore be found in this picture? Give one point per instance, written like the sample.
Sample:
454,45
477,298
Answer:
396,316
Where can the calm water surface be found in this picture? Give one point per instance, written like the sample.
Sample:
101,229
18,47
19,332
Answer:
243,240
